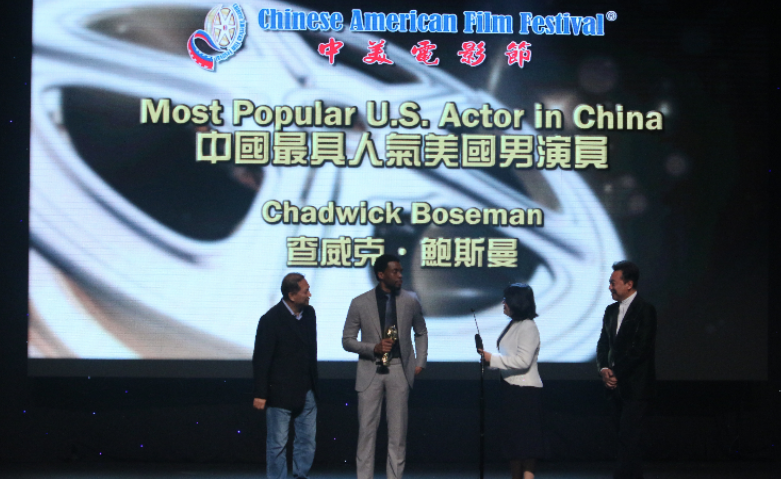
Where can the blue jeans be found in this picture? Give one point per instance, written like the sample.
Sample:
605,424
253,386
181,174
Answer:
277,426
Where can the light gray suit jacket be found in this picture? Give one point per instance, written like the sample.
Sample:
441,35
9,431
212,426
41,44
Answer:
364,317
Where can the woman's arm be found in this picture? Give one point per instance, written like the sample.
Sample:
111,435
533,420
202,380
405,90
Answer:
525,342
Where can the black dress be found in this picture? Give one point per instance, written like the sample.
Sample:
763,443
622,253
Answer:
522,437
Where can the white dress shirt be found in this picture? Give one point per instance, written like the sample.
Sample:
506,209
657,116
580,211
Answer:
517,356
622,309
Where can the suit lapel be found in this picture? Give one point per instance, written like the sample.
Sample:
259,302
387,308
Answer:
374,313
614,320
631,312
401,311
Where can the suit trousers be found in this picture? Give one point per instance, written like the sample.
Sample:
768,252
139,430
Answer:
394,388
631,414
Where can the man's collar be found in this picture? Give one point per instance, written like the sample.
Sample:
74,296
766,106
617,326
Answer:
297,316
629,299
383,292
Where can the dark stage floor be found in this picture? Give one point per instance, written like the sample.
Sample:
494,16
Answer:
728,470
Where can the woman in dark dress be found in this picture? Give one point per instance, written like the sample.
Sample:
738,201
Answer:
519,347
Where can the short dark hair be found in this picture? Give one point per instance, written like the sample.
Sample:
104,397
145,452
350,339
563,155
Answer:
519,297
290,284
381,263
629,272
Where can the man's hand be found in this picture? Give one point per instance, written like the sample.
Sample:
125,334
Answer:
418,370
608,378
485,354
258,403
383,346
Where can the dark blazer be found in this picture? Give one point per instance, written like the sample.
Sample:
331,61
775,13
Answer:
630,353
285,358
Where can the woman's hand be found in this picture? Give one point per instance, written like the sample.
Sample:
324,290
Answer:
485,354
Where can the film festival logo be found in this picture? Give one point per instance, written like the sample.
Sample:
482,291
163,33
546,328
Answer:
223,33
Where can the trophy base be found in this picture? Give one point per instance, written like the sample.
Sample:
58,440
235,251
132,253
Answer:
381,369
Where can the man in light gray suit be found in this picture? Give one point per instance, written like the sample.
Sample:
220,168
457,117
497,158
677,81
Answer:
372,313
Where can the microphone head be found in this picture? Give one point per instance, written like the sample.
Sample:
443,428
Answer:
472,309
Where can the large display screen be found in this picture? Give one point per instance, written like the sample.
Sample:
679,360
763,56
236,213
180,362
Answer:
185,155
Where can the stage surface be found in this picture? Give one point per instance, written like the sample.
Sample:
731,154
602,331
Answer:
570,470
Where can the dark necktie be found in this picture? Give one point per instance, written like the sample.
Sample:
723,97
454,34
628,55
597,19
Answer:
390,311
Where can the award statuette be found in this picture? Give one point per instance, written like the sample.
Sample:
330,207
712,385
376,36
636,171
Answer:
385,359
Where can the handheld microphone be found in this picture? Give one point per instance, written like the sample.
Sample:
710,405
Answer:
478,339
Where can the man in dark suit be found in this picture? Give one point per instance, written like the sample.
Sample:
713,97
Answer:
625,360
370,314
285,368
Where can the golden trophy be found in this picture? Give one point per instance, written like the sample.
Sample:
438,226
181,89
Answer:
385,360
